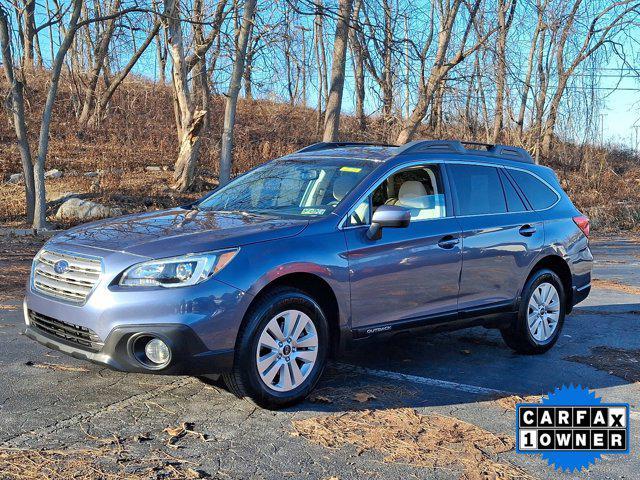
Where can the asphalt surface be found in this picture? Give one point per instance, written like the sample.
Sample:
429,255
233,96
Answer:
458,374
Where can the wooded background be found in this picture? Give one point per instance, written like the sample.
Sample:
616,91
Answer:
215,86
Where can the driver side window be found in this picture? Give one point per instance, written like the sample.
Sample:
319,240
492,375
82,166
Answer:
419,189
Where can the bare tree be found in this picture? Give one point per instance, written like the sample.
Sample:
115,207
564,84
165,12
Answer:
334,104
189,109
39,199
443,63
506,10
226,156
600,31
17,112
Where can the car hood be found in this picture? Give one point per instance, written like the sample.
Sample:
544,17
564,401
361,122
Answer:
178,231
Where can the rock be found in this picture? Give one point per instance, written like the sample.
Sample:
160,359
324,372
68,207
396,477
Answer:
15,178
90,174
78,209
54,173
152,168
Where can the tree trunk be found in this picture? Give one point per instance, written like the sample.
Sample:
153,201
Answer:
504,23
334,105
29,32
527,81
17,111
39,218
320,60
226,158
358,67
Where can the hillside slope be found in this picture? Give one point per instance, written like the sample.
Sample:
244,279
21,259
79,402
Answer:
139,132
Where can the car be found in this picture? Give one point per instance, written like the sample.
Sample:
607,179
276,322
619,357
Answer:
265,278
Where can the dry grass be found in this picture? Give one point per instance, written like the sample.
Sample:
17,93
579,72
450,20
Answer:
404,435
105,463
509,403
614,285
57,367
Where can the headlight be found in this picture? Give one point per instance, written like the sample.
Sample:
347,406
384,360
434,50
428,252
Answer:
177,271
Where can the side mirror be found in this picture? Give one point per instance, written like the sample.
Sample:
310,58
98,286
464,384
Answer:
388,216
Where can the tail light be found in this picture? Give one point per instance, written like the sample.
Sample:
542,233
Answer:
583,224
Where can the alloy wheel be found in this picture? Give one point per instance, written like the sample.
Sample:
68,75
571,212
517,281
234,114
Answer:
543,312
287,350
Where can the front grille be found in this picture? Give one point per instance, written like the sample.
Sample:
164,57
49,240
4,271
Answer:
81,337
74,284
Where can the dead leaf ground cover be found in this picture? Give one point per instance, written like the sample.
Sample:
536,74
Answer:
404,435
615,285
16,254
105,463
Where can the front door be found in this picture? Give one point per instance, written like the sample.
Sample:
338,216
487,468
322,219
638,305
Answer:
411,274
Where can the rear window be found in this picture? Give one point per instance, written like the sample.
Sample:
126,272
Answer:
540,196
478,190
514,202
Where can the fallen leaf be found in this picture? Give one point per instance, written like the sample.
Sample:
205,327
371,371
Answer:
320,399
142,437
364,397
178,431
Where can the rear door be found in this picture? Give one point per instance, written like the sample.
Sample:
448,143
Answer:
410,274
501,237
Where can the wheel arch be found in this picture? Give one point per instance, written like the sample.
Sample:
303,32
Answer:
314,286
560,267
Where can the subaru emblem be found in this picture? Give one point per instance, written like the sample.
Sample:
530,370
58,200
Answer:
61,266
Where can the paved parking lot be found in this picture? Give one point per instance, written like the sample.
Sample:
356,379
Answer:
98,421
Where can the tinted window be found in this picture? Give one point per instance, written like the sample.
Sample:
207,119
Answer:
514,202
478,190
539,195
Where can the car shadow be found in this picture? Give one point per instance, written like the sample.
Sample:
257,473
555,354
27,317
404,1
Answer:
421,369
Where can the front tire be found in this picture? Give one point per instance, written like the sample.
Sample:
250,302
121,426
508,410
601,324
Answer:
281,351
540,315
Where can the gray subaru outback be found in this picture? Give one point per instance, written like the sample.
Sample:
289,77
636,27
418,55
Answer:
264,278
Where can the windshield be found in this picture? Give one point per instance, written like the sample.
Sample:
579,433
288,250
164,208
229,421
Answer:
290,187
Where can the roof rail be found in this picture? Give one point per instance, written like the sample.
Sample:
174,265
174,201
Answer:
327,145
505,152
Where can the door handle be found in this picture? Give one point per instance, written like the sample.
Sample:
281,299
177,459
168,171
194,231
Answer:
448,241
527,230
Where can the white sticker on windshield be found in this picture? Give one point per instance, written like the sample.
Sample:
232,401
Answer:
313,211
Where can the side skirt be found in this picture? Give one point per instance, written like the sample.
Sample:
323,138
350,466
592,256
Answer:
490,316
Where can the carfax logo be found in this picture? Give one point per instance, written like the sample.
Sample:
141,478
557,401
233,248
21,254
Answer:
572,428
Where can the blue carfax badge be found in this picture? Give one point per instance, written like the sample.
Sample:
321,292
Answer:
572,428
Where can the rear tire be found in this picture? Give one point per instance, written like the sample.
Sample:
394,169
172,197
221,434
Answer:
541,315
281,350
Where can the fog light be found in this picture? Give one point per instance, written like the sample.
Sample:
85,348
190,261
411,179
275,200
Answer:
157,351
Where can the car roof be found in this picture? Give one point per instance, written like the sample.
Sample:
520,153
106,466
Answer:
445,149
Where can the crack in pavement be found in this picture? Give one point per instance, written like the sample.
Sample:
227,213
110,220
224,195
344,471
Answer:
15,440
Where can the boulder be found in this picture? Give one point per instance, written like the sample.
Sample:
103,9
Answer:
85,210
15,178
54,173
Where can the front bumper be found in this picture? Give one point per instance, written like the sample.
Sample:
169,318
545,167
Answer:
189,356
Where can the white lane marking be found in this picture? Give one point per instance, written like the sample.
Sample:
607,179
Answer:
432,382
